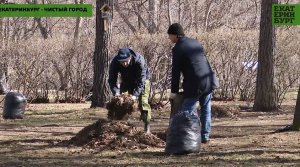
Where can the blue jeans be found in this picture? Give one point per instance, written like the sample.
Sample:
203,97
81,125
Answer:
189,104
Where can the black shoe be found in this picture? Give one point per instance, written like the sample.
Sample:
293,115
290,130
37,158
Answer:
206,141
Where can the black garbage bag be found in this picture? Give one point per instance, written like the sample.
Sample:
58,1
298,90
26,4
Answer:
14,106
183,135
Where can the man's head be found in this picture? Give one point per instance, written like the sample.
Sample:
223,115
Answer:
175,31
124,57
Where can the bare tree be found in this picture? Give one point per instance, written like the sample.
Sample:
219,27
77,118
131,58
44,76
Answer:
265,98
170,18
138,12
179,10
38,20
296,121
78,23
3,86
195,19
101,56
124,17
208,6
3,63
152,16
41,27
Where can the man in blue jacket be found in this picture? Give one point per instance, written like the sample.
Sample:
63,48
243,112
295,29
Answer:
134,80
189,59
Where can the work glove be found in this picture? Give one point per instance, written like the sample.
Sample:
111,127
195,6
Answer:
172,96
134,98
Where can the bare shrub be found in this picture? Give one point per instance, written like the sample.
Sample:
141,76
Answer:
38,66
287,72
41,68
233,56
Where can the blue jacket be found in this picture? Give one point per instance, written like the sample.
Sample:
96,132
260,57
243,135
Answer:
132,77
190,60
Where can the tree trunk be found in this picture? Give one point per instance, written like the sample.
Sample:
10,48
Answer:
6,32
170,18
188,14
196,20
179,11
137,8
265,98
101,57
296,121
3,59
124,17
77,24
3,87
152,16
1,33
62,75
40,24
208,5
141,21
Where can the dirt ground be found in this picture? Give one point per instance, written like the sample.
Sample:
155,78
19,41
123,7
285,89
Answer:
244,139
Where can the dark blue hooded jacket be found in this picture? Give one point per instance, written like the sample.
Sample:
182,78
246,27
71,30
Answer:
190,60
132,77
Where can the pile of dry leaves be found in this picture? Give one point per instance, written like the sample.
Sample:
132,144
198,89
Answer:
219,111
115,135
120,107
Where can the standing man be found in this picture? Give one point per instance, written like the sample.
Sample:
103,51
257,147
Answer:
134,80
188,58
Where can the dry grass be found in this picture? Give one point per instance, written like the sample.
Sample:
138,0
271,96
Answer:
246,140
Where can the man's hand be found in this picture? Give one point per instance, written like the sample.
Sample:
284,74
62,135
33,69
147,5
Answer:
172,96
134,98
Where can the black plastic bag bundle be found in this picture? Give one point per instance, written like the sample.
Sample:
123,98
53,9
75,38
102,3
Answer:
14,106
183,135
